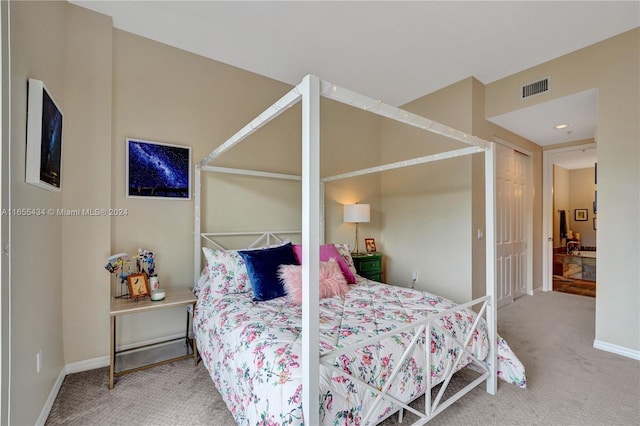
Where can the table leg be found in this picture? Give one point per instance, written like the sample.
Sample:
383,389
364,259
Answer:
112,351
193,339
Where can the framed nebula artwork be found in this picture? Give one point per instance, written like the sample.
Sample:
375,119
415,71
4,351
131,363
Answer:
158,170
44,138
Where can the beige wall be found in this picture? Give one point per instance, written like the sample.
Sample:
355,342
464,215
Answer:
169,95
426,209
37,51
86,241
349,141
612,66
414,218
561,193
59,292
581,196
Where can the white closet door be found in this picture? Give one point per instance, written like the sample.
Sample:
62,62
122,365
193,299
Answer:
511,224
505,227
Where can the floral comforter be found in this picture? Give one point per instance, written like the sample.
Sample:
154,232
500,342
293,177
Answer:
252,351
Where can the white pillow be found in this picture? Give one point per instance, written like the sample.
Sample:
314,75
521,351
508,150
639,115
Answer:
345,252
226,271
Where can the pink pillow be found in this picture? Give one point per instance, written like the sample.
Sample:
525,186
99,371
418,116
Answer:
332,281
327,252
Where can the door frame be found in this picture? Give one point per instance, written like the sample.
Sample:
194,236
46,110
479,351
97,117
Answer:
547,209
5,220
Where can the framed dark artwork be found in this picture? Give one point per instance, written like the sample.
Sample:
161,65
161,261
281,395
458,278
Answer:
44,138
581,215
370,244
595,202
138,285
158,170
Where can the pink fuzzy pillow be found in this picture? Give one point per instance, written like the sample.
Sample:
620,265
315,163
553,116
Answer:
332,281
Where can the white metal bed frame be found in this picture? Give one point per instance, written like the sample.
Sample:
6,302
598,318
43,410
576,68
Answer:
309,91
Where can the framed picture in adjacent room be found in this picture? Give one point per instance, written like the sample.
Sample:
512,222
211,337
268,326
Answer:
158,170
581,215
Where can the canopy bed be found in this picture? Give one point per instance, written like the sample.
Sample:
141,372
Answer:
352,356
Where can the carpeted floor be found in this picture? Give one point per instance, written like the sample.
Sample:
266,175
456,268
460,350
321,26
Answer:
569,382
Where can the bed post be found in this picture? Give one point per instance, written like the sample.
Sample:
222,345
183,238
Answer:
490,238
197,267
310,247
322,219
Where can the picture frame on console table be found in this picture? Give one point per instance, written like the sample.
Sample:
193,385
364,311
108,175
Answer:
138,285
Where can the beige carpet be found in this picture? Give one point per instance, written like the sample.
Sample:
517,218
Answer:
569,382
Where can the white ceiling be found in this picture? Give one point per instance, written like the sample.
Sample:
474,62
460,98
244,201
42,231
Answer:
395,51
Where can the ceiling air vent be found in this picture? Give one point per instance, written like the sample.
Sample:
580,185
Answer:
535,88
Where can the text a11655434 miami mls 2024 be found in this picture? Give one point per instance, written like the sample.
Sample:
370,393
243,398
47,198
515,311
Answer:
64,212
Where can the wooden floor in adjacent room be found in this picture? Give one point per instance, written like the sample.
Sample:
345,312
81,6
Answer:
574,286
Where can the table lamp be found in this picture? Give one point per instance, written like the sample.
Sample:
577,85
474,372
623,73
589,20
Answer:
357,213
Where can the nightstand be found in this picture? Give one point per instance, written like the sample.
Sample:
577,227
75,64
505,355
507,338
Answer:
178,297
368,265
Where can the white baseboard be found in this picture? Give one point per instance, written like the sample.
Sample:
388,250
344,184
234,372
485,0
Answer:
86,365
620,350
535,291
44,414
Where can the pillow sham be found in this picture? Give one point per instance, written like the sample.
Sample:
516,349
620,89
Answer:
332,280
327,252
227,273
262,267
345,252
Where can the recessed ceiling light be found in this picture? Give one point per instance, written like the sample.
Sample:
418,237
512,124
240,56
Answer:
561,126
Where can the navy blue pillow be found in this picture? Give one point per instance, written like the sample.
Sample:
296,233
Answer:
262,267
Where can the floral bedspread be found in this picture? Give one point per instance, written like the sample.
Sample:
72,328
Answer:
252,351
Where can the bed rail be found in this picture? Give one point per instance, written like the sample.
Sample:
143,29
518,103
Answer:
432,408
265,238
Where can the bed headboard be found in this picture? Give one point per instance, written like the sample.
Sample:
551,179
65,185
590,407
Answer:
250,239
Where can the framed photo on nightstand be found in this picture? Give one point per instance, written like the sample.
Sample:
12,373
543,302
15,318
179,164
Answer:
370,244
138,285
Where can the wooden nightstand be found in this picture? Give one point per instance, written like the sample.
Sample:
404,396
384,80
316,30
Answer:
369,265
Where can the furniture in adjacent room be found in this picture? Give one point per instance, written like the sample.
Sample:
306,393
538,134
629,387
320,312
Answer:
175,298
368,265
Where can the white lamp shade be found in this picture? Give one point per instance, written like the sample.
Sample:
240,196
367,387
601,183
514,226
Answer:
359,213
